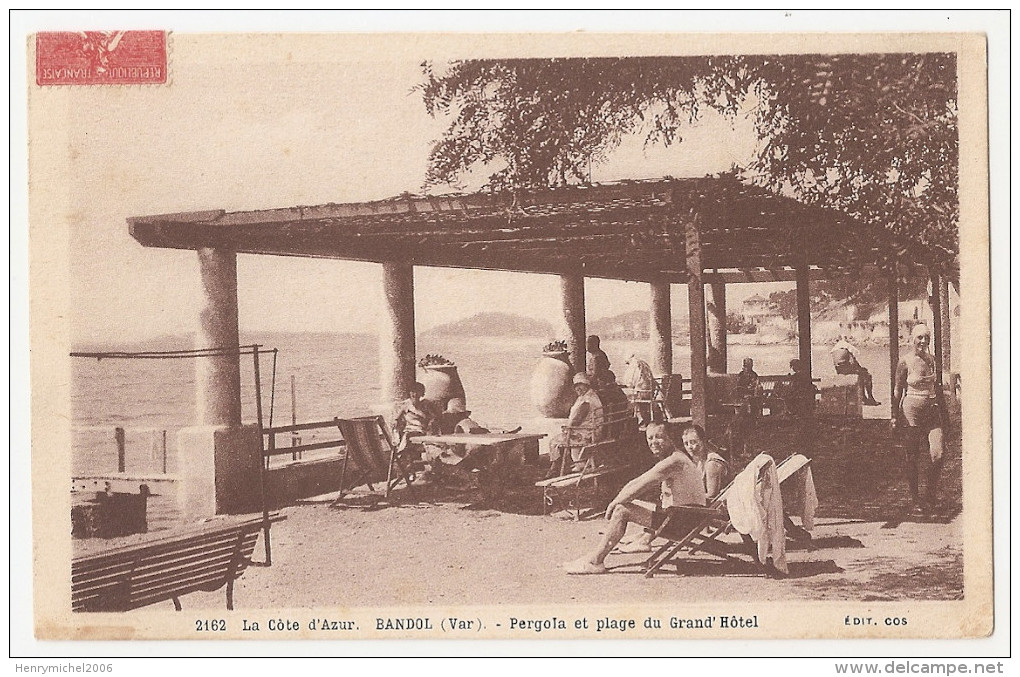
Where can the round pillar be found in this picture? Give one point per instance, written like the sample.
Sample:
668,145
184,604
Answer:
396,335
218,378
572,290
660,330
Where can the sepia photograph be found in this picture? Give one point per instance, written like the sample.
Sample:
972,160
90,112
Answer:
347,336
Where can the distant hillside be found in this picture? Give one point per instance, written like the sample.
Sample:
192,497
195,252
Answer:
632,325
494,324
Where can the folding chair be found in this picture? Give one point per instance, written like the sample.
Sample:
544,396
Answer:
703,534
671,397
591,465
374,455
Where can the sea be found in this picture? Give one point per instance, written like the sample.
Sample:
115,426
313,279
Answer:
337,375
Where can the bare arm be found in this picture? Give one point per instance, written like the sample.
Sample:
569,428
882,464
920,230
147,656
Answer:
901,389
651,477
715,475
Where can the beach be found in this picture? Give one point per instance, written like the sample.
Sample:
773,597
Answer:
453,548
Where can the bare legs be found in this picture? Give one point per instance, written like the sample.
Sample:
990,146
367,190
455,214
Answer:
622,515
928,443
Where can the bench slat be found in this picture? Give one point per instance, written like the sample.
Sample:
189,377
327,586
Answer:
135,575
211,530
143,561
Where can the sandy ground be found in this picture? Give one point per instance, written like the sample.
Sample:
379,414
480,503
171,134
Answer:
451,548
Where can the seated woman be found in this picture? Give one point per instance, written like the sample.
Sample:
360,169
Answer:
584,414
686,476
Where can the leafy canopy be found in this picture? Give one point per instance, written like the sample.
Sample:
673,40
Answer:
873,135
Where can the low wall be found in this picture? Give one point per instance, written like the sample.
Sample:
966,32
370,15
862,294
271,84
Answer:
303,479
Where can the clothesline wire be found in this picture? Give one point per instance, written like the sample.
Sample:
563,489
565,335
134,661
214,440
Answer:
171,354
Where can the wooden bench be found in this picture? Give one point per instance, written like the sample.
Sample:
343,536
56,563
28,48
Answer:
773,387
610,454
205,557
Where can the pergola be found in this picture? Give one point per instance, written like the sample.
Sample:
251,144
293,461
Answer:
700,232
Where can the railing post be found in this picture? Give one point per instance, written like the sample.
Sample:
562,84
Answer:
118,435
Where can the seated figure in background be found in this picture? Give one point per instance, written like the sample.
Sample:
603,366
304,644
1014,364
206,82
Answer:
615,400
596,361
583,418
415,416
844,360
640,382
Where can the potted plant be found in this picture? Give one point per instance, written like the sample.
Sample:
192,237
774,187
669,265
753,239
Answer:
441,380
552,390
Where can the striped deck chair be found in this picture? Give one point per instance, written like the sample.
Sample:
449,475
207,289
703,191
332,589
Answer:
703,535
371,456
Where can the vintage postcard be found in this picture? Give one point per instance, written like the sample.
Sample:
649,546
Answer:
460,336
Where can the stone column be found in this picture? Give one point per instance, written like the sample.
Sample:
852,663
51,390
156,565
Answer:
717,328
572,289
218,378
804,317
660,330
396,335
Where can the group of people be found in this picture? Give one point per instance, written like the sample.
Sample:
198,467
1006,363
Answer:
690,470
595,389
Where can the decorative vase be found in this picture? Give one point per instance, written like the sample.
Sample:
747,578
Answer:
552,390
442,383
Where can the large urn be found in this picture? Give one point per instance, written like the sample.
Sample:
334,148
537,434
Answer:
442,383
552,391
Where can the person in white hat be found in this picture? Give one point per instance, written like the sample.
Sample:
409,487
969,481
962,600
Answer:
582,421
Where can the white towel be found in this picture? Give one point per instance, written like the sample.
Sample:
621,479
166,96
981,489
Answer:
799,497
755,505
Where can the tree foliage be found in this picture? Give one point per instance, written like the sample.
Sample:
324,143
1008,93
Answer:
873,135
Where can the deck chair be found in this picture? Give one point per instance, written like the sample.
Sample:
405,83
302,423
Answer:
671,397
374,456
703,535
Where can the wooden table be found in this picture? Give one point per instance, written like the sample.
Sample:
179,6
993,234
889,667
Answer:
502,444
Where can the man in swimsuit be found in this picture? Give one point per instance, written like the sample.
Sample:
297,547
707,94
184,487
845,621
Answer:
686,476
917,408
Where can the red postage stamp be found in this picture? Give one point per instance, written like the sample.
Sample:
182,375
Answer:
101,58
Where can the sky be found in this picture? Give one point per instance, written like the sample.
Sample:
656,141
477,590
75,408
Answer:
279,130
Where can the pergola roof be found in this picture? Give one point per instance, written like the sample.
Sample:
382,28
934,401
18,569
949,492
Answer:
634,230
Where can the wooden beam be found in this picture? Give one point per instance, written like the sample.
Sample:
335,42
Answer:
804,317
696,310
935,300
894,338
947,326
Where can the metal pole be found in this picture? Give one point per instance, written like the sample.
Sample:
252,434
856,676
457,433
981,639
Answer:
293,416
262,457
272,389
894,339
